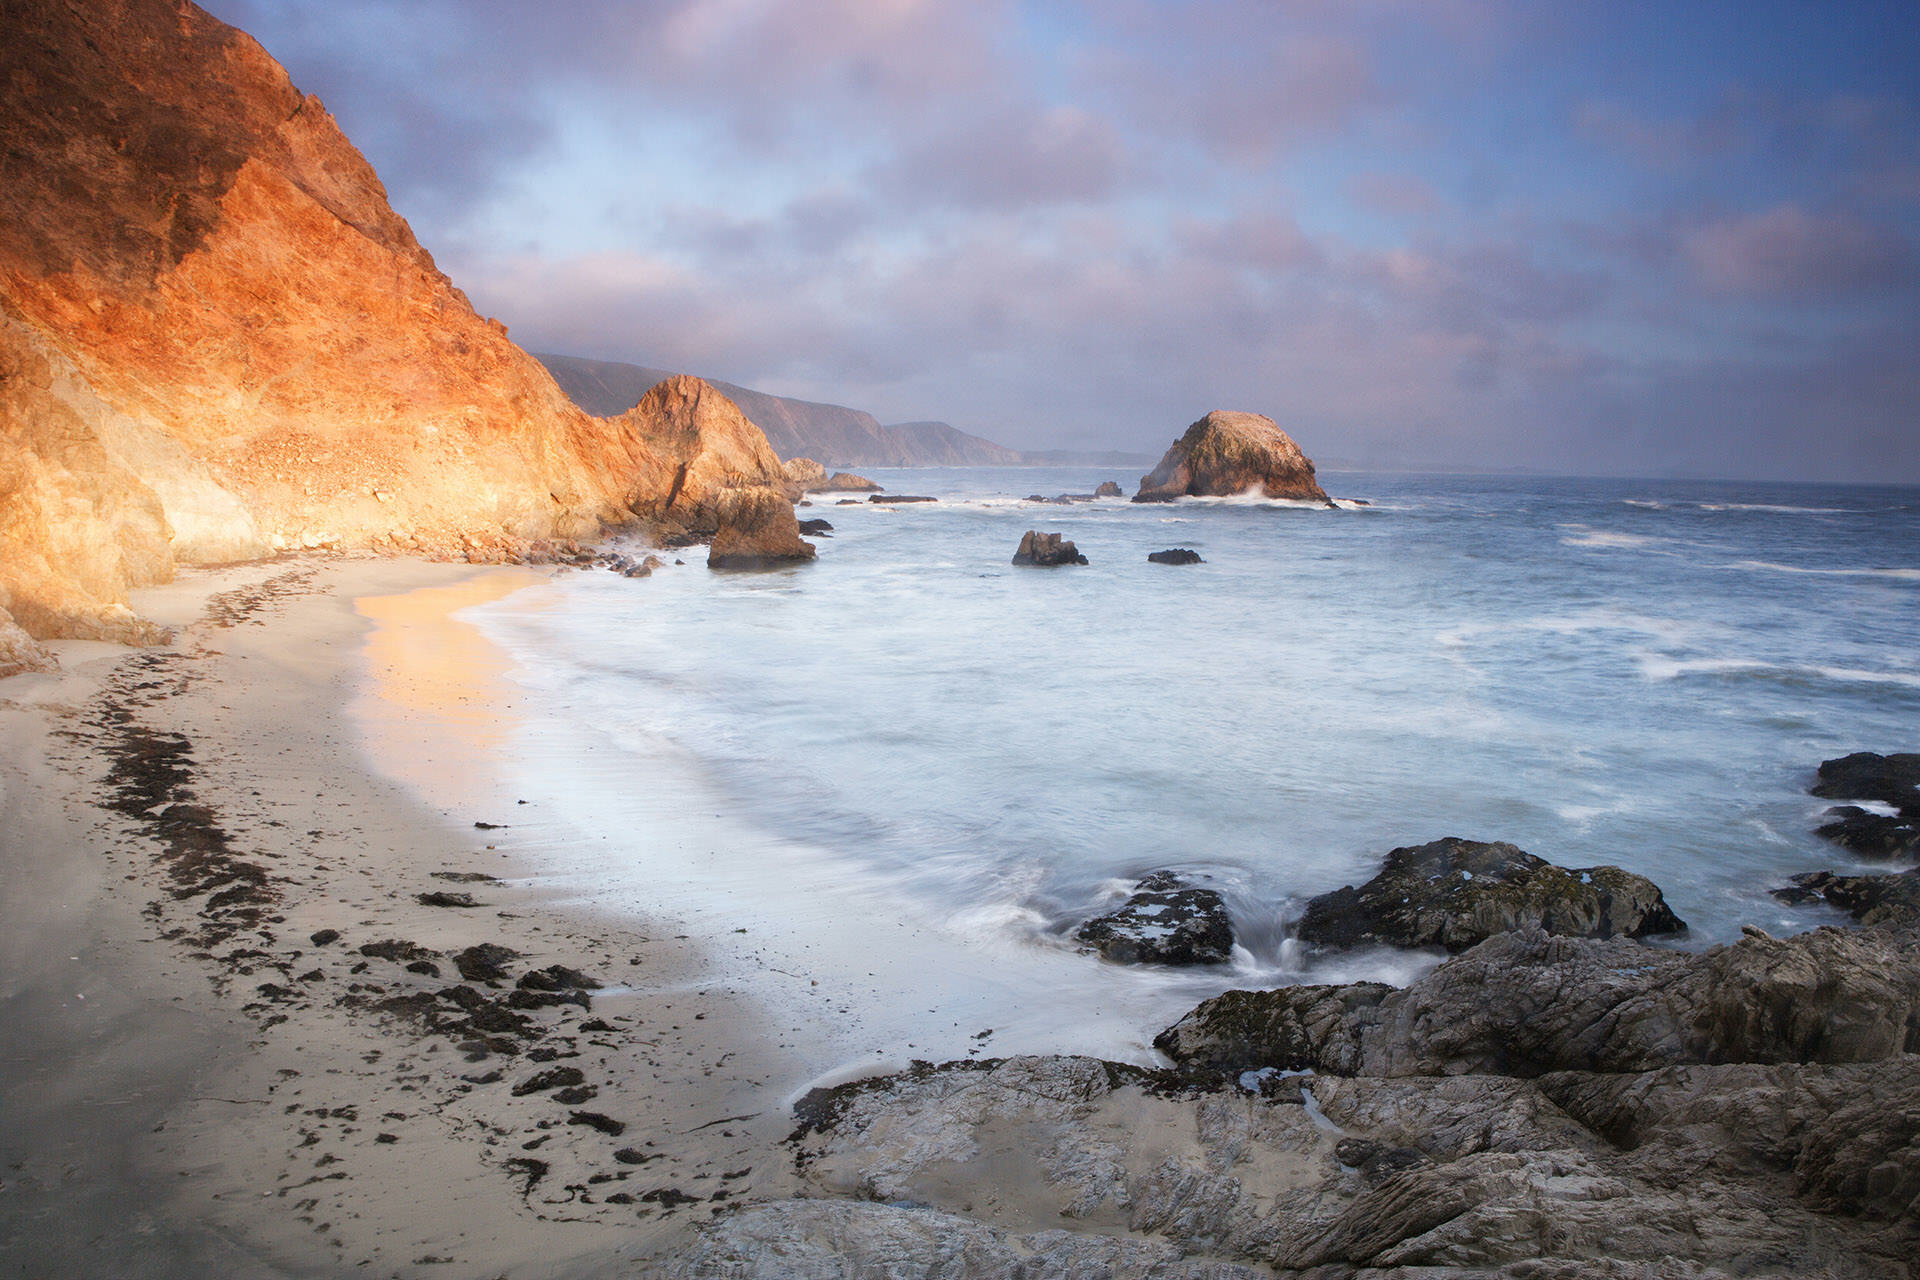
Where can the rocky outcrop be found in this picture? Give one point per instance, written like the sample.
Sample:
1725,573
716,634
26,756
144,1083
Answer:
846,482
1523,1004
756,530
1228,453
20,652
1872,900
1165,921
973,1169
721,454
1455,893
1108,489
806,473
218,340
1175,555
1892,780
1046,549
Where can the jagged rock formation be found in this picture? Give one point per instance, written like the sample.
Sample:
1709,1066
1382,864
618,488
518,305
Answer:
218,340
1890,780
805,473
1523,1004
756,530
796,428
1164,921
1228,453
1046,550
1454,893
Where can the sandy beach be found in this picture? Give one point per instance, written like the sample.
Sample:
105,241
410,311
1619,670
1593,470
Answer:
243,1038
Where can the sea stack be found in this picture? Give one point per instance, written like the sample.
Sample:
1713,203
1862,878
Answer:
1228,453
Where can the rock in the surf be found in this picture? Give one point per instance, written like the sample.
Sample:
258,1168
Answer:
1175,555
1108,489
845,482
1526,1003
1165,921
758,530
1865,776
1454,893
1038,548
1230,453
1872,900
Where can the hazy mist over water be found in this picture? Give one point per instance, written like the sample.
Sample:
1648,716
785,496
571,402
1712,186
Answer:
1601,671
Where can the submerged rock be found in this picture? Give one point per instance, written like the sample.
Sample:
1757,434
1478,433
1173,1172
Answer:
901,497
1166,921
1175,555
1455,893
1229,453
1038,548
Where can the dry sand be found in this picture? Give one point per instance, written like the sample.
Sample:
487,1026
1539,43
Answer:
190,1085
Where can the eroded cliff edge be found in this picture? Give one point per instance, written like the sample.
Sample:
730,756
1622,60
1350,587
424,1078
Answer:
218,340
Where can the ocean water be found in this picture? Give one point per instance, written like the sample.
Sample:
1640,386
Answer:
888,784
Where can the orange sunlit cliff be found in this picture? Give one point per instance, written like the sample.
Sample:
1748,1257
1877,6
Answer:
217,340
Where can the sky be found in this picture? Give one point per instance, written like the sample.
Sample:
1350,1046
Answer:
1624,238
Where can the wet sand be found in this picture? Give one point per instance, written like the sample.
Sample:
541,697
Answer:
193,1084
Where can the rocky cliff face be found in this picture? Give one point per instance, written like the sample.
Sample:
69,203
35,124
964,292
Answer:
1229,453
218,340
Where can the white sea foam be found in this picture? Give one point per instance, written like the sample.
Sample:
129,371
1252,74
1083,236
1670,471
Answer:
1780,508
1768,566
1585,536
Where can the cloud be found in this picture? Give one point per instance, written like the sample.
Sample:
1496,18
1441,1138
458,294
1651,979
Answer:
1035,156
1395,194
1790,252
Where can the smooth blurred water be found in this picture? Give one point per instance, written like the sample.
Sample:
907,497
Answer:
1601,671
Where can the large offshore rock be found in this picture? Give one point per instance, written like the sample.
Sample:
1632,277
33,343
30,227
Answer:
1455,893
1527,1003
1892,780
1229,453
757,530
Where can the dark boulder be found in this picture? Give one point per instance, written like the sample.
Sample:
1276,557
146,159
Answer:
1108,489
1166,921
814,528
1455,893
1175,555
1872,900
1522,1004
1038,548
893,499
1893,780
1871,835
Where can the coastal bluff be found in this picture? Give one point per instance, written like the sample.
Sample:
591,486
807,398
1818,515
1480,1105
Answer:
1228,453
218,341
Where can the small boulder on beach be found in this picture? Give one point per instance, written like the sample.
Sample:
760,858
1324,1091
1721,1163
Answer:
1165,921
1454,893
1175,555
1046,549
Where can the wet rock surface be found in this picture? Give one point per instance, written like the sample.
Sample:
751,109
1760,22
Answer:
1527,1003
1046,549
1455,893
1872,900
1175,555
1165,921
1892,781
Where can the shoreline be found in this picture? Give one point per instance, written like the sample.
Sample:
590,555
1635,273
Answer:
239,1064
306,1021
